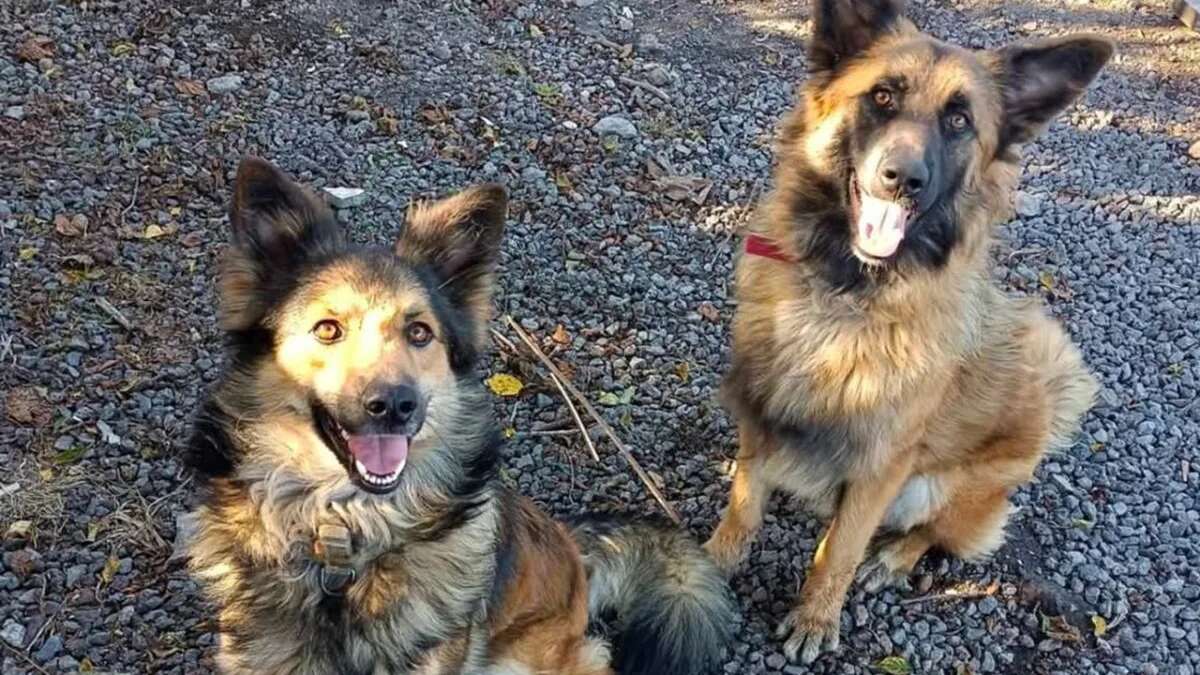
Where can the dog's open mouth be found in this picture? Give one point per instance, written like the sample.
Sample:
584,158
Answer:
375,460
879,224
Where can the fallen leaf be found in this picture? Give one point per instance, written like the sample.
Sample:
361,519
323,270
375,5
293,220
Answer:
155,231
548,92
93,530
26,407
35,49
1046,279
46,474
110,570
682,371
509,432
122,49
1099,625
27,253
73,226
86,666
435,114
19,529
70,455
894,665
690,188
78,260
1058,628
1082,523
607,398
503,384
192,239
709,311
560,335
534,31
190,87
627,395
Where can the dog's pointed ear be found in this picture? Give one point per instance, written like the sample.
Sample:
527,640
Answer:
1039,80
459,239
844,28
274,218
276,224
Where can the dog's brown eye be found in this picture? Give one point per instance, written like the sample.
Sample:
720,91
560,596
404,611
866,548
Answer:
328,331
958,121
883,98
419,334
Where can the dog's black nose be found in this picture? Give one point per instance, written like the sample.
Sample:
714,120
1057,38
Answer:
394,403
904,175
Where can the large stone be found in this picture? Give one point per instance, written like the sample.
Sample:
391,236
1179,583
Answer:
615,125
346,197
224,84
1027,205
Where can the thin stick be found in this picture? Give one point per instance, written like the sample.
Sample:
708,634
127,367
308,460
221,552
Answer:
25,657
115,313
550,432
608,430
639,84
587,438
968,595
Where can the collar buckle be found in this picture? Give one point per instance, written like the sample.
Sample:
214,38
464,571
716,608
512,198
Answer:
333,551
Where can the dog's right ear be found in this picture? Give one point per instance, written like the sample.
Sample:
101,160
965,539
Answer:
844,28
276,224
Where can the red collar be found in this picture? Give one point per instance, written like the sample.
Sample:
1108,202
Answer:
756,244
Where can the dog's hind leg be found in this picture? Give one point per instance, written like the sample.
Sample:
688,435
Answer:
747,502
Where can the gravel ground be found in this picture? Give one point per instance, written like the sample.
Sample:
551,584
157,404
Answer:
120,126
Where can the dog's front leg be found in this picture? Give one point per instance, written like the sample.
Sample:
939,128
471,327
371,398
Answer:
813,626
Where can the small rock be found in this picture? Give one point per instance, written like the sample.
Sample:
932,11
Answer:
224,84
1194,150
585,3
50,649
625,23
16,112
615,125
1027,205
658,75
346,197
441,51
358,115
13,633
776,661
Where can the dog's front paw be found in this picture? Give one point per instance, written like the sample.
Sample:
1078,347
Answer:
808,635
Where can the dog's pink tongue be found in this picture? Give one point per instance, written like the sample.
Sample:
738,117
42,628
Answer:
881,225
382,454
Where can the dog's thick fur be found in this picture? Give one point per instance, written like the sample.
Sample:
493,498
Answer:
907,396
455,573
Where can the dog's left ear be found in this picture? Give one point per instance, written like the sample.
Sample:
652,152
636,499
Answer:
459,238
1039,80
844,28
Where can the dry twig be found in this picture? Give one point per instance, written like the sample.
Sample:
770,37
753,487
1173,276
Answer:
115,313
639,84
608,430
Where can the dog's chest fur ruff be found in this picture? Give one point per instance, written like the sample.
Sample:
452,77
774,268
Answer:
418,605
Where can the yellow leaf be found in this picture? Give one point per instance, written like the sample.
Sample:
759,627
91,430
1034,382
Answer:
153,231
86,666
1046,279
123,49
110,570
19,529
1099,625
534,31
27,253
46,475
93,530
682,371
509,432
175,211
894,665
560,335
503,384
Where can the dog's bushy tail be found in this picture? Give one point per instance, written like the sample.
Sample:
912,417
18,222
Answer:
673,609
1070,388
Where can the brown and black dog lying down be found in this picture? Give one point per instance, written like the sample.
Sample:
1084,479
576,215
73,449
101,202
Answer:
354,521
878,373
